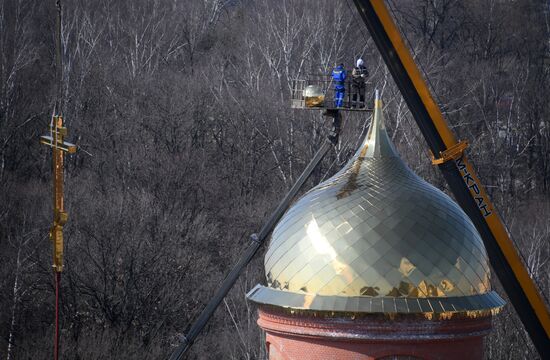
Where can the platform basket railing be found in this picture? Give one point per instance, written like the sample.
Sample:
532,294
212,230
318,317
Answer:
325,84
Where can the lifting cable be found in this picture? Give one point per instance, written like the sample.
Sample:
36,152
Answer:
55,140
56,334
57,111
431,86
360,24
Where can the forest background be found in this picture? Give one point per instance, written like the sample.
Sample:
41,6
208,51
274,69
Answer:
186,143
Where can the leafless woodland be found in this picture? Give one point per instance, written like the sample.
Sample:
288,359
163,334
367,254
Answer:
186,143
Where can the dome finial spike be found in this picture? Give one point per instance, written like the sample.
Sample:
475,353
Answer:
378,117
377,142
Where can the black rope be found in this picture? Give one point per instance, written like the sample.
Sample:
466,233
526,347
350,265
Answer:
58,61
357,23
354,15
411,48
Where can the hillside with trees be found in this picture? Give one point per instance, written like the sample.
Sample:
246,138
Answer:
181,113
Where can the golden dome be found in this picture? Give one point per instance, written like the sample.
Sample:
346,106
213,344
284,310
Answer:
377,238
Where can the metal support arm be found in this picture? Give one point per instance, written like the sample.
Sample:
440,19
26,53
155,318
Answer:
256,241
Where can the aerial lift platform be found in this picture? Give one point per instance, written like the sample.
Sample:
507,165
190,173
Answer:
316,92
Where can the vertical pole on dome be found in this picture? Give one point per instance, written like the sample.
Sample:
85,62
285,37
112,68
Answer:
373,134
378,115
375,115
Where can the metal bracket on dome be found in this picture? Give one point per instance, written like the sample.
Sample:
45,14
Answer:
452,153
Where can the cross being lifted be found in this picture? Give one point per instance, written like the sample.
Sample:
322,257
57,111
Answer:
59,147
55,140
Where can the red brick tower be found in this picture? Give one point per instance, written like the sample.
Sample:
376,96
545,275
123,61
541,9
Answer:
375,263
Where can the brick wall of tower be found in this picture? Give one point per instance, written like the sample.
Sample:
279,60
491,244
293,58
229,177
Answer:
301,337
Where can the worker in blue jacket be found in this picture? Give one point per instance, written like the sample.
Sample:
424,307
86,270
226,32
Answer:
339,78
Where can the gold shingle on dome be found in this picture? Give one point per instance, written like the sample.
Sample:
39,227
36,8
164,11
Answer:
377,238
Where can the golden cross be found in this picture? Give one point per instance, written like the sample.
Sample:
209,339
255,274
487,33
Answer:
59,148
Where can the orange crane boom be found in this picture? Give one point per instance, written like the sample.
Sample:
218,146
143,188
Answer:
459,173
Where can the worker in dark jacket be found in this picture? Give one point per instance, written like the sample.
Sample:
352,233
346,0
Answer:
339,78
359,76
